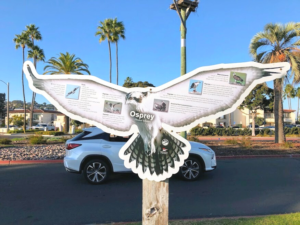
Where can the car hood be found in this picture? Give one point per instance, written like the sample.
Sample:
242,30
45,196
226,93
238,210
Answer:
196,145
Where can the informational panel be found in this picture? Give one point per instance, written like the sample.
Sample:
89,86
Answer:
154,115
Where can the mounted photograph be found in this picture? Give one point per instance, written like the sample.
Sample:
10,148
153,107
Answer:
237,78
161,105
112,107
196,87
72,91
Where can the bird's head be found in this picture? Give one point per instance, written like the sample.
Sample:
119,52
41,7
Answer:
135,98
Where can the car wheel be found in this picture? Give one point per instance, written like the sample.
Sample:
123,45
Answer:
191,169
96,171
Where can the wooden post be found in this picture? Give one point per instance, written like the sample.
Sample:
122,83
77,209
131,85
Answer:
155,202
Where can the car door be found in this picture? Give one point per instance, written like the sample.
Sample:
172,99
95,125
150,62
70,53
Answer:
111,148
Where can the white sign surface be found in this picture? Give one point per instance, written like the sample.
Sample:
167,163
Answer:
154,115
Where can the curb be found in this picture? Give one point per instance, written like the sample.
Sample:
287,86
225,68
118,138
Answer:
18,162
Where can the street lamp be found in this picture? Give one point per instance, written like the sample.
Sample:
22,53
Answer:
7,104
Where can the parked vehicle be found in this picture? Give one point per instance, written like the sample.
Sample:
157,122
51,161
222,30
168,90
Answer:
290,125
94,150
298,125
250,126
219,126
268,127
42,126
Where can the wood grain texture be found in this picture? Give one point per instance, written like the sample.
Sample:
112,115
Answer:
155,202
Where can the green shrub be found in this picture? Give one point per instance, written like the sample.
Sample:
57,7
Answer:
287,130
295,130
230,141
245,142
55,133
230,131
193,138
77,131
287,144
5,141
37,140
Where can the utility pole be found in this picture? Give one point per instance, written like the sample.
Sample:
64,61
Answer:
156,194
183,9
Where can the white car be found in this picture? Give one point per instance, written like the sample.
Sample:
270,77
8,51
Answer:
96,154
42,126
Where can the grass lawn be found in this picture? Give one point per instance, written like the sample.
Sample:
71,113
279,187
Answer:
284,219
7,146
19,139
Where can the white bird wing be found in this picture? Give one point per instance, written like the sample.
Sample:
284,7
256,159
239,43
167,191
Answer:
88,103
217,93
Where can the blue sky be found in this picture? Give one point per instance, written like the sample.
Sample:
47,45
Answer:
219,32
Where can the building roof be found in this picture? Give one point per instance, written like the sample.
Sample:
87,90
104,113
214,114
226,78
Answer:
285,111
35,111
288,110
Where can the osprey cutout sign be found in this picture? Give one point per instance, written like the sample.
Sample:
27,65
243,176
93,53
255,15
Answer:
154,116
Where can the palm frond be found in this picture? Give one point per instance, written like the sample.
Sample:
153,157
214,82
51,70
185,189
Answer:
66,64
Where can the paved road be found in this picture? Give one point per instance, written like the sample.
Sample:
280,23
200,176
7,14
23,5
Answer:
46,194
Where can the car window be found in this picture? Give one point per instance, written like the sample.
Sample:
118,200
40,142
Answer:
114,138
80,136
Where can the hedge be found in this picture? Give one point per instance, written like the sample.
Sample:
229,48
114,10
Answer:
211,131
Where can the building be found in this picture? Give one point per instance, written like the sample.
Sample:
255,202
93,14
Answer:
289,117
243,118
39,115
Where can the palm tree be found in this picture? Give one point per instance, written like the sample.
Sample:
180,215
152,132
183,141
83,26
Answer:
66,64
118,30
105,32
38,55
34,34
289,92
278,43
22,40
298,96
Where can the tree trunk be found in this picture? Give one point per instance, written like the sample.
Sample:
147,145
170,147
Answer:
32,100
117,61
183,52
24,103
253,123
31,111
66,125
278,112
109,61
297,119
155,202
